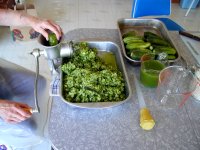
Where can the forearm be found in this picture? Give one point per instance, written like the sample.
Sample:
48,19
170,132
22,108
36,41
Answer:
15,18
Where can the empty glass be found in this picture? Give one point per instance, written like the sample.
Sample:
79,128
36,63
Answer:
175,86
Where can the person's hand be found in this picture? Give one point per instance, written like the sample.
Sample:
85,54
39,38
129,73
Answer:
14,112
14,18
42,25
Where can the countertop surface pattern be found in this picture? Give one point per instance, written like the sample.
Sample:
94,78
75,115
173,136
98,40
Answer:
118,128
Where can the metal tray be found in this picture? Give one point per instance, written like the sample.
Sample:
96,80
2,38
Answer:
140,26
108,47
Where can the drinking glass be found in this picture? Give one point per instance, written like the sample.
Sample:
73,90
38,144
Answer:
149,72
175,86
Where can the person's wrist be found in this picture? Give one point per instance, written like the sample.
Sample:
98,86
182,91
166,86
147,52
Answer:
27,19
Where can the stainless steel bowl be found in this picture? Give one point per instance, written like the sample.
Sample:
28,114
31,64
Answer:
108,47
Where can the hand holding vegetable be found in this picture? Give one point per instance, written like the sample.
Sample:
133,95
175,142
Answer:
16,18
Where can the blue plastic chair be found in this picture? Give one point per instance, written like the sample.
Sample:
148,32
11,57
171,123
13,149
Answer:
155,8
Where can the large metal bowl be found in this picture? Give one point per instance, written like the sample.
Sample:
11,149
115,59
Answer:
108,47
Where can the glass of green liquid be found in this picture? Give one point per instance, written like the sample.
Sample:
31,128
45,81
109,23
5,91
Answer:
149,72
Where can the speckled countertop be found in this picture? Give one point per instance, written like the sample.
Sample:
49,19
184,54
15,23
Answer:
118,128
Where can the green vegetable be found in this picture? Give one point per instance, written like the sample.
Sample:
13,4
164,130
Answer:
137,54
171,57
138,45
148,35
157,41
168,50
132,39
52,39
140,49
87,78
130,33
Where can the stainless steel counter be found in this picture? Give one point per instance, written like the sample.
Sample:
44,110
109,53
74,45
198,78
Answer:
118,128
